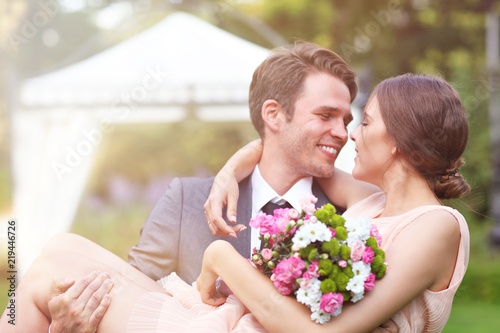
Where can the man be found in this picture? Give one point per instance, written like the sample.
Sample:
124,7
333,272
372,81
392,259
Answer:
300,106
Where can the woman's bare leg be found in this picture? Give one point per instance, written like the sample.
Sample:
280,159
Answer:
73,256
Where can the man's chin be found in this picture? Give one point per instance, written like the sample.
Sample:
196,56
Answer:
324,173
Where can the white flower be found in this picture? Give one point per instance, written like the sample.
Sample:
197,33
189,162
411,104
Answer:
336,313
310,296
361,269
302,296
358,230
320,317
310,233
357,296
356,284
300,239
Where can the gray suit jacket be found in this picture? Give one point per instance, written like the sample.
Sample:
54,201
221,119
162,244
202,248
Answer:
175,234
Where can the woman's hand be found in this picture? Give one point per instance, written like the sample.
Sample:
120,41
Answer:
206,282
225,190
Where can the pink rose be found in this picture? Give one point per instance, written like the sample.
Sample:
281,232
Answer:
289,269
261,220
308,204
312,270
282,213
370,282
293,214
334,232
368,255
357,251
283,288
281,218
343,263
267,254
304,282
331,302
374,232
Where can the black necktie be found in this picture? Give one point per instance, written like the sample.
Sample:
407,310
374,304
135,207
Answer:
271,206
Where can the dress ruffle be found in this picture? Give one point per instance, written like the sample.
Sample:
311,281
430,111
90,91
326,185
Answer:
180,309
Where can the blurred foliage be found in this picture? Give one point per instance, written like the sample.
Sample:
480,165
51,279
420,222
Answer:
142,153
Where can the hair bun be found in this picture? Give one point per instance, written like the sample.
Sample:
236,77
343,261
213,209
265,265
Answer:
452,184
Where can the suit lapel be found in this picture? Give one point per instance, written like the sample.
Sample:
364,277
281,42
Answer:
245,213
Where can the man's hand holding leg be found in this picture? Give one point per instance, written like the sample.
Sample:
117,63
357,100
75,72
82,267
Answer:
79,306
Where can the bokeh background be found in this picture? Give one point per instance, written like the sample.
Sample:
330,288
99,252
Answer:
133,163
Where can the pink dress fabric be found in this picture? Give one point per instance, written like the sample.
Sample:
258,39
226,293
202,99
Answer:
180,309
430,311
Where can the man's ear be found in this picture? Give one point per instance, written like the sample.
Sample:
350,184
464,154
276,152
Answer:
271,114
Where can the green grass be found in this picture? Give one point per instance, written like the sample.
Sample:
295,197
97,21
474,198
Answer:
470,317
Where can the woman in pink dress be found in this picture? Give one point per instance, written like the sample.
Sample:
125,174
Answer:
409,145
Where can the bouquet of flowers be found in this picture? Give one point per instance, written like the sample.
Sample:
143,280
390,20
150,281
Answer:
318,256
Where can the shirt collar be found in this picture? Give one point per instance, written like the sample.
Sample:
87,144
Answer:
262,192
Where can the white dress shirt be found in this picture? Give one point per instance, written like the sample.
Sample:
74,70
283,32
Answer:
262,193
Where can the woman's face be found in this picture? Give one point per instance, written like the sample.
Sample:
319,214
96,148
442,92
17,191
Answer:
375,149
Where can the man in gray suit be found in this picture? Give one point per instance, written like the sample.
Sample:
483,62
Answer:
300,105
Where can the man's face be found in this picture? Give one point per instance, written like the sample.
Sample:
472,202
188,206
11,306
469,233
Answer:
312,140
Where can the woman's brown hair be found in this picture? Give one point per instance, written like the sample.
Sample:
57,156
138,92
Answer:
426,118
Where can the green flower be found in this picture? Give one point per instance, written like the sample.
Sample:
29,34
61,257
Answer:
328,286
380,253
326,214
337,221
332,247
325,267
348,271
335,271
304,252
378,266
372,242
341,281
313,255
381,272
345,252
341,233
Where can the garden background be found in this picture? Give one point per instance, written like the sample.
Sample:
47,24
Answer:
379,38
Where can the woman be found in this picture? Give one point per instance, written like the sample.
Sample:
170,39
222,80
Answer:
409,145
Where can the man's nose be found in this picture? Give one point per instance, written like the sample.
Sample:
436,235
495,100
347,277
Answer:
339,130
